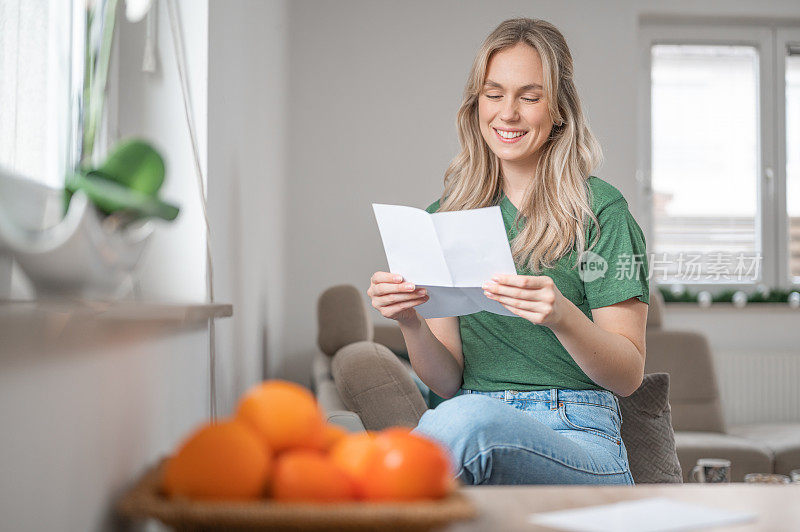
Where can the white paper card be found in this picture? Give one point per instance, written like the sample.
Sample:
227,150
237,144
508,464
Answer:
655,514
450,254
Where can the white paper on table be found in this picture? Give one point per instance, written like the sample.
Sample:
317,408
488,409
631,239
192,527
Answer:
450,254
656,514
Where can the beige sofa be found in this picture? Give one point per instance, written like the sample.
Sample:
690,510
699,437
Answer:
345,326
700,429
391,393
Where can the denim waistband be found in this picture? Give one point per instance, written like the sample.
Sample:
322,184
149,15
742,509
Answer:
554,396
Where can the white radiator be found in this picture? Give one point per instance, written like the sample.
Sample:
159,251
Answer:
759,387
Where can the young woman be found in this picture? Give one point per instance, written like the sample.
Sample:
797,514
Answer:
530,399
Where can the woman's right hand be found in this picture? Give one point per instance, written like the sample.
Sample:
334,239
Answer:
394,298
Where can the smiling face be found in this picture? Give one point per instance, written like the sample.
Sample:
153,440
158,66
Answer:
512,109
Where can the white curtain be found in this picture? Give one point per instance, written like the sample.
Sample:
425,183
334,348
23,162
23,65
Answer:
35,47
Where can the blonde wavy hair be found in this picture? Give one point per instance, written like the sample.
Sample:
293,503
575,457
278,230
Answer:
557,203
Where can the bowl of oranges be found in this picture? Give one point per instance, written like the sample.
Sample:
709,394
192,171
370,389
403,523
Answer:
277,463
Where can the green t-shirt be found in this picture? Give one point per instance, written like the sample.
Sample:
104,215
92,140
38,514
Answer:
511,353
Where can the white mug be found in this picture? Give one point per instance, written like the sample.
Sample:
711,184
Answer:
711,470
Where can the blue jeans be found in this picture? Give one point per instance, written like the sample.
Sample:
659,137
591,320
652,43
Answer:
535,437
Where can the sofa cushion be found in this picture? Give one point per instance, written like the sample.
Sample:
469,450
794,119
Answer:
373,382
655,312
342,318
391,336
746,456
647,432
694,397
783,439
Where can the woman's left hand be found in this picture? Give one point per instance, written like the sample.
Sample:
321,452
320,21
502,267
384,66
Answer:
533,297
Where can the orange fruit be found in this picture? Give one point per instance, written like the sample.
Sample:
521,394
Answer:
303,475
405,466
284,414
333,434
350,454
226,460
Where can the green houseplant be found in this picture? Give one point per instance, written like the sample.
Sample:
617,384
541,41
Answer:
86,238
127,183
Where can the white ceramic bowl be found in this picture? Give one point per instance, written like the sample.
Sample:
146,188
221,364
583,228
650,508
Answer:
71,256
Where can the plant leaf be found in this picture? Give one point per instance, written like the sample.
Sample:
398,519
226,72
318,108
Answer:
109,197
135,164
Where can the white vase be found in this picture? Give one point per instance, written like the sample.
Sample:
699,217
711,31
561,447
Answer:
70,256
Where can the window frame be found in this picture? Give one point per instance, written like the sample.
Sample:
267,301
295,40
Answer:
771,222
783,36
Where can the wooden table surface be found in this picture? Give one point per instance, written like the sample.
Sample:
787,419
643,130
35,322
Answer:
507,508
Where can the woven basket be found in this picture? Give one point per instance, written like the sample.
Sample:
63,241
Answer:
145,500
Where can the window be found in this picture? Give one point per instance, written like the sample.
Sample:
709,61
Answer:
34,88
720,105
791,62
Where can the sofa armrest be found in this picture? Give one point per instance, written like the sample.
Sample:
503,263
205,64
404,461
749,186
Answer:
320,370
373,383
328,397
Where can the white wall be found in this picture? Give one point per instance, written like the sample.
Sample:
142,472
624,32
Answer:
236,54
375,86
150,106
247,101
80,425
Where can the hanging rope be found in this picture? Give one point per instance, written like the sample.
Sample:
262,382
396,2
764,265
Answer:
151,31
180,58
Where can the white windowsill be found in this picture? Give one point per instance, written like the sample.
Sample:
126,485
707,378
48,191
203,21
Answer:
179,313
59,324
719,305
